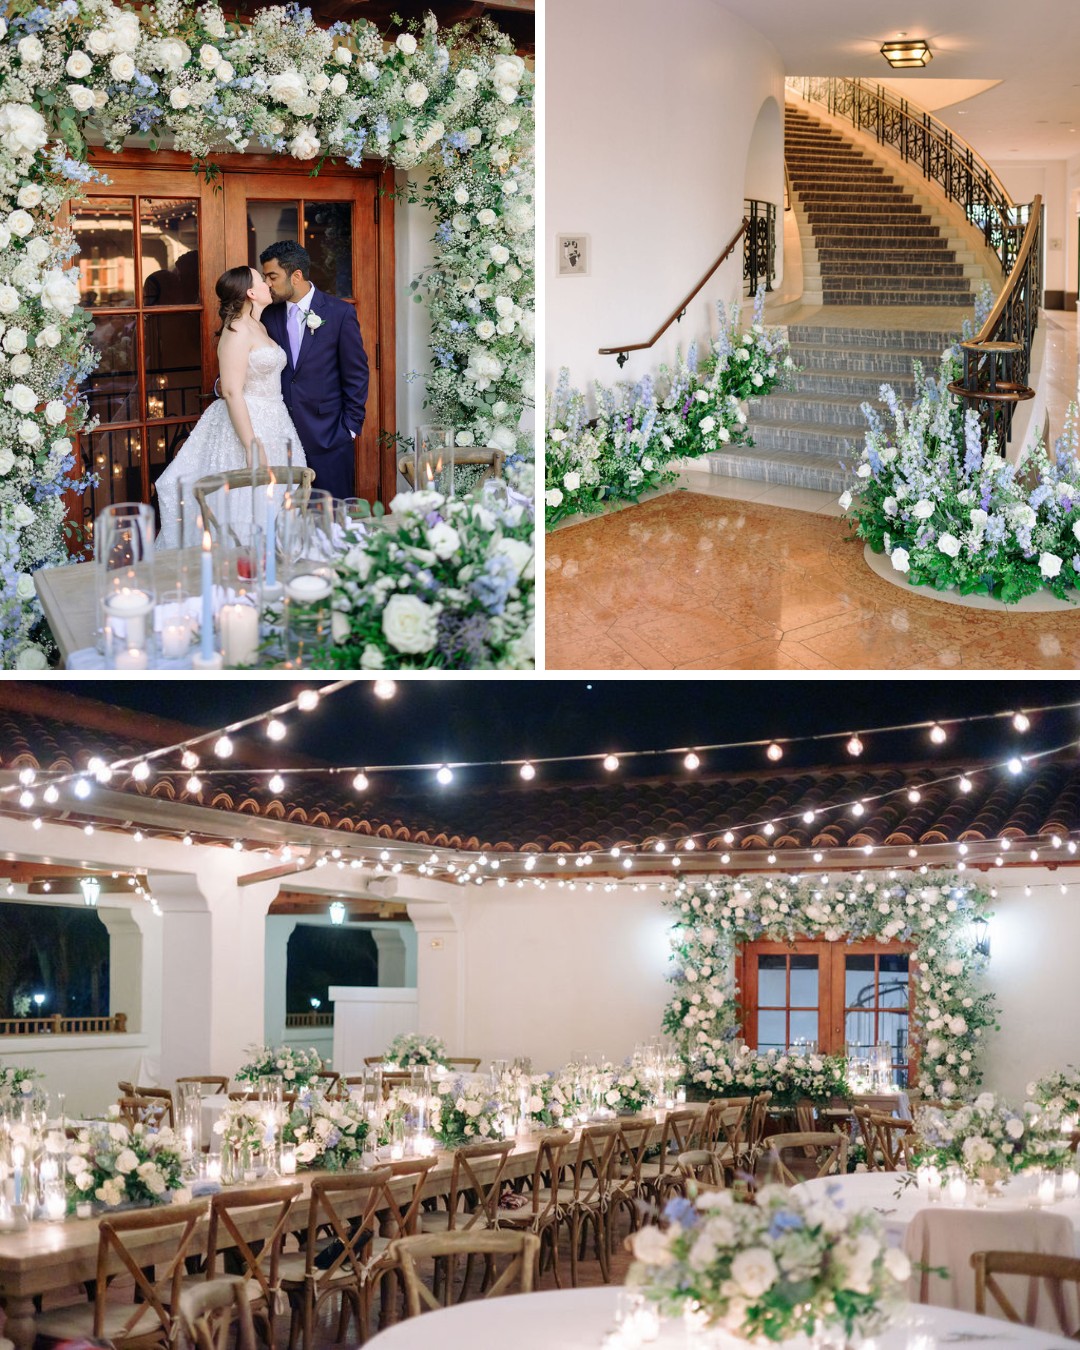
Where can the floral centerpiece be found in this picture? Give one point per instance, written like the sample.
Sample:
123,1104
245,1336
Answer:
328,1134
244,1128
769,1271
450,584
116,1166
634,1085
469,1113
294,1067
988,1139
19,1082
737,1071
1059,1092
410,1049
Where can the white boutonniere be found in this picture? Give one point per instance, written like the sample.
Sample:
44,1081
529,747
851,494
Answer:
313,321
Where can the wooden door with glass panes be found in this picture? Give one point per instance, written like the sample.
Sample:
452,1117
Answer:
153,242
838,996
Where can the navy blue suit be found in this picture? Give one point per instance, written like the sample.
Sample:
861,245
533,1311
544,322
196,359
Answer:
326,391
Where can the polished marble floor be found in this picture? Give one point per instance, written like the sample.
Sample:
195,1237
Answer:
729,574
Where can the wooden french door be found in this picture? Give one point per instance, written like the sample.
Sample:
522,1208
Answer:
834,994
153,242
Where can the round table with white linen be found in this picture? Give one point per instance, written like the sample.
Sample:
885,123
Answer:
579,1319
897,1205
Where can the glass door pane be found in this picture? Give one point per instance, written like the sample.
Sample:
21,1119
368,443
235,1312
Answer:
328,238
270,223
105,230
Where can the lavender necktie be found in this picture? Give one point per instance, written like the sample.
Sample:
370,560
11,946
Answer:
296,319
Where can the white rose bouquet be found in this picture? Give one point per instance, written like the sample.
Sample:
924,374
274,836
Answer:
1059,1092
294,1067
768,1271
468,1113
116,1166
329,1135
410,1049
18,1082
988,1139
735,1071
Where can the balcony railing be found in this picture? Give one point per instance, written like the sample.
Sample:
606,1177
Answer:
759,244
63,1026
309,1019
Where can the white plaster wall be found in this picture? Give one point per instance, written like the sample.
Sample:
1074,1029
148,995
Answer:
1049,180
647,148
366,1020
414,227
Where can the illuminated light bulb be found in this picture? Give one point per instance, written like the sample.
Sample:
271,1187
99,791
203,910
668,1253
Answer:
194,784
527,772
691,761
725,857
138,836
1034,855
1071,845
1006,843
914,795
611,763
961,866
579,862
628,863
384,689
1021,721
141,771
88,829
360,782
676,861
530,863
560,861
223,747
238,844
771,858
276,729
190,760
1027,891
50,795
26,799
965,784
82,788
774,752
1016,765
913,852
615,851
855,747
809,817
923,870
937,734
963,850
384,855
1055,840
769,829
445,775
47,886
277,783
188,839
868,849
37,823
999,861
660,846
819,857
858,809
689,845
307,700
588,859
335,853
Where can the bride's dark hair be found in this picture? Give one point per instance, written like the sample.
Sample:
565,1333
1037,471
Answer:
232,288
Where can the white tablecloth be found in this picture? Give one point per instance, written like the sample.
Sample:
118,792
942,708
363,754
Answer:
577,1319
878,1191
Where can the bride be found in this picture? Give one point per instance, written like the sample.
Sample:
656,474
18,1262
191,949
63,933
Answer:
250,406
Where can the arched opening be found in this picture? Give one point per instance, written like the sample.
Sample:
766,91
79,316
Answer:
763,182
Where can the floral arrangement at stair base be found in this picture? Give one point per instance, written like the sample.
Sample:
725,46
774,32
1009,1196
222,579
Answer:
451,584
294,1067
458,102
412,1050
115,1166
736,1071
933,912
951,512
628,444
988,1140
771,1270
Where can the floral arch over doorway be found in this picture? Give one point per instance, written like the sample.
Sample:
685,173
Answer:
456,104
935,913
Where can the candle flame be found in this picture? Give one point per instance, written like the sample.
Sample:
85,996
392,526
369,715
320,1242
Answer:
206,543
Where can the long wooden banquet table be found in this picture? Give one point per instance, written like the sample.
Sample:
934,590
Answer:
48,1257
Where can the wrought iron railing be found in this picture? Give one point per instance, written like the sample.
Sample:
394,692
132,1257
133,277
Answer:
941,156
759,244
63,1026
622,351
997,361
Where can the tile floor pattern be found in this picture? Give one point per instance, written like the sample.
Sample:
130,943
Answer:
694,581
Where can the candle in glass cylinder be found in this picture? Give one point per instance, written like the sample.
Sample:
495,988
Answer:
1046,1188
288,1161
18,1162
307,587
239,634
1070,1183
206,648
213,1169
957,1189
132,606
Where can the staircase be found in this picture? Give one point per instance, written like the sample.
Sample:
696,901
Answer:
878,242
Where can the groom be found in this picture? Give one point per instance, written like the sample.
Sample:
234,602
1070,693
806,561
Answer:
325,382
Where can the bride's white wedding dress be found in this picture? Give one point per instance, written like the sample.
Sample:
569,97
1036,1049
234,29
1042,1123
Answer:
214,447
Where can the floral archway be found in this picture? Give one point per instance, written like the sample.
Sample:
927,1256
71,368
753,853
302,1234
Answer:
457,104
935,913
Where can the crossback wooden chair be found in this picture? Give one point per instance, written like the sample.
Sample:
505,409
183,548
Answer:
756,1120
627,1187
209,1312
215,1084
261,1262
523,1249
811,1155
297,480
149,1111
326,1080
892,1141
160,1094
148,1322
540,1214
488,455
583,1192
699,1165
678,1133
346,1208
475,1186
464,1063
397,1219
731,1121
1055,1271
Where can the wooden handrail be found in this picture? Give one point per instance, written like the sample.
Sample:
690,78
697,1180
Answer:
1031,233
625,348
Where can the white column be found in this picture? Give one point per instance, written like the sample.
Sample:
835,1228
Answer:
441,969
391,949
279,929
125,964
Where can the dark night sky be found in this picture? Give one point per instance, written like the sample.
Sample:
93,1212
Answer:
462,719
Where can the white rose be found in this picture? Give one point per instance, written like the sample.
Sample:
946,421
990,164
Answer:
22,129
7,459
923,510
553,497
55,412
122,67
572,480
30,51
287,87
99,42
1076,528
171,54
499,254
503,438
14,341
29,434
22,398
24,587
20,365
101,97
949,545
416,94
519,552
20,223
60,447
126,1160
342,56
900,560
507,70
650,1246
406,43
32,657
339,85
1049,564
755,1271
444,540
209,57
707,424
461,194
409,624
124,31
464,438
485,329
486,216
304,145
179,98
37,250
473,135
78,66
467,79
60,291
224,71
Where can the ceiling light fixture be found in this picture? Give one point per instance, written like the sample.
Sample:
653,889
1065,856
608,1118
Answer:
907,53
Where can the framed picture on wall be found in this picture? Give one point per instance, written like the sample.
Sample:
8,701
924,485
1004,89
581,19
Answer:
572,255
